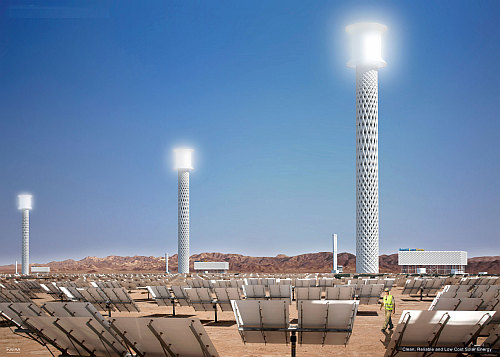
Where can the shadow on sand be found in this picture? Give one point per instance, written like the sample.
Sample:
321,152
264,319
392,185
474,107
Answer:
226,323
387,339
5,323
170,315
367,313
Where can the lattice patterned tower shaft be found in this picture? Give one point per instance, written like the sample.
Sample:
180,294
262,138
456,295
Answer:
183,221
366,58
25,205
26,242
367,215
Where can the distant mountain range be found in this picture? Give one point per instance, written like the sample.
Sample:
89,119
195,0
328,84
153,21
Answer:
311,262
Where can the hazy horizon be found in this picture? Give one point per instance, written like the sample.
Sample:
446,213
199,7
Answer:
175,254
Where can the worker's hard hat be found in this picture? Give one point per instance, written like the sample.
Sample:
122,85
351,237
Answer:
386,289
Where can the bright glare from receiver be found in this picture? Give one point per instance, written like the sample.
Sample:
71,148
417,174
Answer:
24,201
366,42
183,159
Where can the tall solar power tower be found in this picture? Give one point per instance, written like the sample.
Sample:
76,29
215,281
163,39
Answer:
24,204
183,166
366,40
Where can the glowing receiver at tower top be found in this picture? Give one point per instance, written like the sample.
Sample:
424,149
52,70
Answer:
366,45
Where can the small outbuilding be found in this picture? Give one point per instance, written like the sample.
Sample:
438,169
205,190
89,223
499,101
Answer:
211,267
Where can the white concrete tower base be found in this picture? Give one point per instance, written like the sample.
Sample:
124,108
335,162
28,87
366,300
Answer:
367,217
26,242
183,222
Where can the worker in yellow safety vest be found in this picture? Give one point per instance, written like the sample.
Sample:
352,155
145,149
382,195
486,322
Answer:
390,308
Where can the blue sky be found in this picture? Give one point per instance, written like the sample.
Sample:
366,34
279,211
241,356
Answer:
95,95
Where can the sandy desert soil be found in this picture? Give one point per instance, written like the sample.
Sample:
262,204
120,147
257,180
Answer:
366,339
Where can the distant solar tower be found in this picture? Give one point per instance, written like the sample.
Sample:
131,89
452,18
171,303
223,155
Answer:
366,59
25,206
183,165
335,269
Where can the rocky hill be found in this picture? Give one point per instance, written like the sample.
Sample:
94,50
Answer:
311,262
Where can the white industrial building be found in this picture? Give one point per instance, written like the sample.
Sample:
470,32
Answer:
432,262
211,267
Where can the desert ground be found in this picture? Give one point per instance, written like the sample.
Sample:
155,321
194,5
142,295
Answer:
366,339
